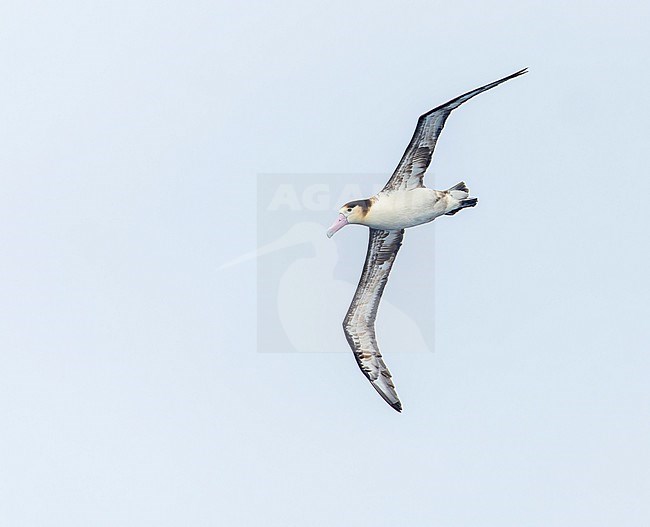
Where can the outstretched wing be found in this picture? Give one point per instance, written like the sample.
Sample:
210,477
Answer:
359,323
417,157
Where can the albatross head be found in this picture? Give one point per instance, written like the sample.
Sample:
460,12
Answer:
352,212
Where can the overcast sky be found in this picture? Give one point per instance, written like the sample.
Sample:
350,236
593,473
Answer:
133,388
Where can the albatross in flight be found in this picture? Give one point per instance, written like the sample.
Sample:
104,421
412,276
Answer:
404,202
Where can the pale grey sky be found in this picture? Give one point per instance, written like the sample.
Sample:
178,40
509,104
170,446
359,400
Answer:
132,388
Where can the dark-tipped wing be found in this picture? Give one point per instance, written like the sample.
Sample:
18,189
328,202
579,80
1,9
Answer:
359,323
417,157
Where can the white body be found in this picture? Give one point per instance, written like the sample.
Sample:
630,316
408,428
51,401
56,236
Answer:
407,208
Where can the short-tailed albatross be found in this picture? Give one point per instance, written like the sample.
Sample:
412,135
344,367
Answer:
404,202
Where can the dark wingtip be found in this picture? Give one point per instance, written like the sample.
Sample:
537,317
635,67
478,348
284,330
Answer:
515,74
396,405
449,105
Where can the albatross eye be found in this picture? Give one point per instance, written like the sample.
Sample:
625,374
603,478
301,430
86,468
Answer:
349,210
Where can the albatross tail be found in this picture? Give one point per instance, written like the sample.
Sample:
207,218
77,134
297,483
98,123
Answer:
459,192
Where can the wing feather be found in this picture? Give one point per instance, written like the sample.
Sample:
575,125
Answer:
417,157
359,323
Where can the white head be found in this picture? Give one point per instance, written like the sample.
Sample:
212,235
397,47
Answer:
352,212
